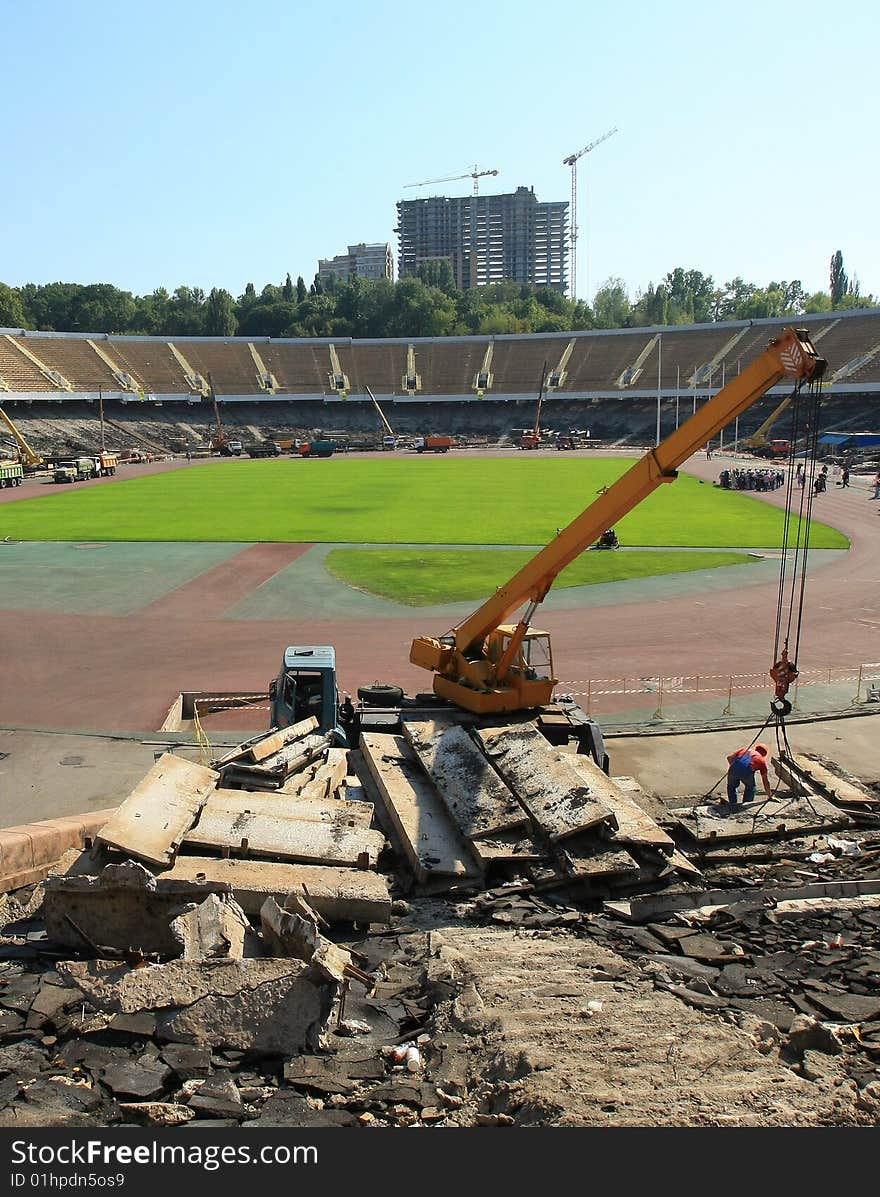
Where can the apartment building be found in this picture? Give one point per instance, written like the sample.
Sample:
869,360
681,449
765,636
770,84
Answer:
486,238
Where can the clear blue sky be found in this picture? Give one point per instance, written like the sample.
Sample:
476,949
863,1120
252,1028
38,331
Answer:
212,143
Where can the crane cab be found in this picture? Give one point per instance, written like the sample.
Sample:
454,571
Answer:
528,680
306,685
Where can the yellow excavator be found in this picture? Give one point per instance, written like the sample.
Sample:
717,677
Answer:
487,665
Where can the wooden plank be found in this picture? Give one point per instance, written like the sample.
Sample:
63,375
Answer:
329,776
337,811
153,819
338,894
263,833
259,747
478,800
634,825
544,781
830,785
415,811
273,770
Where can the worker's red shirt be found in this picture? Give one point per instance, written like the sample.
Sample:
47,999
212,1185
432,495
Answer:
747,758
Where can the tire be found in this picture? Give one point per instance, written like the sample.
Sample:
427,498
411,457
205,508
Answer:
379,695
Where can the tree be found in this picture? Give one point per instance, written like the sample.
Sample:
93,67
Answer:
12,314
101,307
611,305
301,289
219,314
837,277
287,291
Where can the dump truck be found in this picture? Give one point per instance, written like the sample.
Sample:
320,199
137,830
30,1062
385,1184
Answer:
317,448
263,449
432,444
105,464
11,473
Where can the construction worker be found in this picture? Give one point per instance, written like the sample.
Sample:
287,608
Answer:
742,766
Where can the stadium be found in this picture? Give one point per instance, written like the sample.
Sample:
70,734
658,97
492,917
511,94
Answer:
606,381
146,612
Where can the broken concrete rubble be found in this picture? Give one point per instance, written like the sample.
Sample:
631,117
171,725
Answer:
289,933
214,929
153,819
260,1030
125,907
250,1005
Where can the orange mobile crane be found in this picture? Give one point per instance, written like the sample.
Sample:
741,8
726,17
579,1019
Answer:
532,440
487,665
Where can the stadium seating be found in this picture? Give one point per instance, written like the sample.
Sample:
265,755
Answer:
609,384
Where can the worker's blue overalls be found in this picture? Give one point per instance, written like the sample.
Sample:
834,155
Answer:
741,772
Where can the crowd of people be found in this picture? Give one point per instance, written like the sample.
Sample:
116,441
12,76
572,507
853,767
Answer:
752,479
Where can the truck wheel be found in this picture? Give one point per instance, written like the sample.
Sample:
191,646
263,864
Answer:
379,695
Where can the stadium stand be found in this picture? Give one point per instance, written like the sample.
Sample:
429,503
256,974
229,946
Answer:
75,360
607,382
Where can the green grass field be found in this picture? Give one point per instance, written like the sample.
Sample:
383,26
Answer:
420,578
420,501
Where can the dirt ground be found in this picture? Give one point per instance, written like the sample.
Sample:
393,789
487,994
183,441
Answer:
642,1059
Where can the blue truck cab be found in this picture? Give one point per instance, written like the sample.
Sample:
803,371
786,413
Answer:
307,686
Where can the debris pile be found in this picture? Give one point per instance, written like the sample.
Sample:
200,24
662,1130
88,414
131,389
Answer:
227,948
468,809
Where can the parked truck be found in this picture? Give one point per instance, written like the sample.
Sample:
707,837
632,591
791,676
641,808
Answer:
432,444
317,448
263,449
11,473
75,469
105,464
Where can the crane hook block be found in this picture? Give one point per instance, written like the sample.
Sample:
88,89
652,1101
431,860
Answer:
783,674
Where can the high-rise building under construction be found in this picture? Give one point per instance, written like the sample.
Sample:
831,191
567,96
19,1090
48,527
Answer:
486,238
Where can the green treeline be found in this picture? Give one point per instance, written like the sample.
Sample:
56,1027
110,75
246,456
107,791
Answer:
427,306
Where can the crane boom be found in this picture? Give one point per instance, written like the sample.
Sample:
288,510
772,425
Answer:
572,161
388,427
29,457
220,439
474,174
486,665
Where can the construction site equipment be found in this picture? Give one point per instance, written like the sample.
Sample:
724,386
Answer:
29,459
432,444
389,441
264,449
76,469
486,665
317,448
759,443
572,161
220,442
476,174
105,464
532,440
306,687
11,473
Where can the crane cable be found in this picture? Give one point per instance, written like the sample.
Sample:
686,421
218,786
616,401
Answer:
795,553
794,581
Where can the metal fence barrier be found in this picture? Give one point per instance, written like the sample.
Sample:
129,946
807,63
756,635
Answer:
722,693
